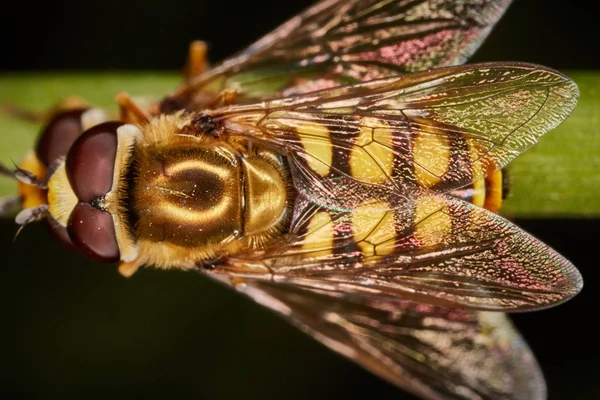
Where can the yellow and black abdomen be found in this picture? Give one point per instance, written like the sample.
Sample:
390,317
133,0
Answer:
488,193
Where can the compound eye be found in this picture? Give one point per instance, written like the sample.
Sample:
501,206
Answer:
91,161
93,232
59,135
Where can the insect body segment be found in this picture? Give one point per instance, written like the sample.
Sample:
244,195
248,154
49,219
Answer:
355,190
83,190
489,192
196,198
63,128
53,144
380,165
342,172
433,249
387,138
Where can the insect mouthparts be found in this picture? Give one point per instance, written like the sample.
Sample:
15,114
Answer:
30,215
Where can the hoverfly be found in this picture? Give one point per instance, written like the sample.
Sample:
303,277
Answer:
342,171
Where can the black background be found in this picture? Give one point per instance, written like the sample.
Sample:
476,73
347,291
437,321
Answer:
74,329
154,34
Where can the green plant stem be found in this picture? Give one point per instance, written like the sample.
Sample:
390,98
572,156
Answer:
559,177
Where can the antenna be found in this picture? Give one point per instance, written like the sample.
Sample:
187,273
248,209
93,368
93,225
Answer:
29,178
29,215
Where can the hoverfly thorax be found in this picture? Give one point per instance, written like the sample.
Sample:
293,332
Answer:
194,197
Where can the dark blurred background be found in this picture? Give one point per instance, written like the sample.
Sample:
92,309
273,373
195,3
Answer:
72,329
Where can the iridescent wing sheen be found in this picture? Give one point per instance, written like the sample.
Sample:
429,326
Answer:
434,249
436,130
434,352
358,40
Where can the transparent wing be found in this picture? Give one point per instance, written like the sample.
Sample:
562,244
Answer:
434,249
434,352
438,130
356,40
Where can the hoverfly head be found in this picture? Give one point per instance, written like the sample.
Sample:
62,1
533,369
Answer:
87,190
32,173
70,178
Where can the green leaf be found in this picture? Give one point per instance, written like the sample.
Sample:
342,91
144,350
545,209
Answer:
559,177
39,92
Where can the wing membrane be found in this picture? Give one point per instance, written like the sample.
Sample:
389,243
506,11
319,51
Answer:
434,352
438,130
357,40
435,249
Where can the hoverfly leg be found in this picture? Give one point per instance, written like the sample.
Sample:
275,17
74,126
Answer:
129,111
67,104
21,114
224,98
129,268
70,103
229,96
196,61
25,115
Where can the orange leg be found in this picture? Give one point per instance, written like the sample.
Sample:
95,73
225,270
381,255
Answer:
196,61
129,111
229,96
225,98
25,115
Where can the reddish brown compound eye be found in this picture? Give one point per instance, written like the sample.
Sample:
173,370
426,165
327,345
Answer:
91,161
93,232
59,135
